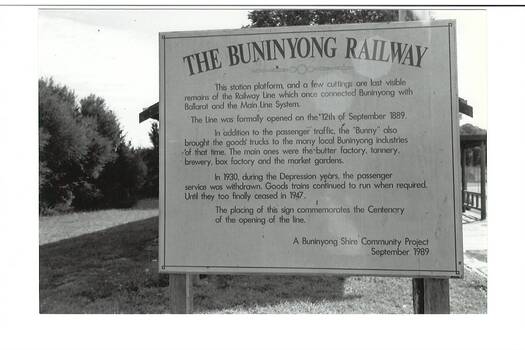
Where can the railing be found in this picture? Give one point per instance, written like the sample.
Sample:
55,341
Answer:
472,200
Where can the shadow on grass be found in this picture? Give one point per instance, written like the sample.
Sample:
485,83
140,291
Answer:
77,274
115,271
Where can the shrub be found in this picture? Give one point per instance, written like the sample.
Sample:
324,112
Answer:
84,162
123,178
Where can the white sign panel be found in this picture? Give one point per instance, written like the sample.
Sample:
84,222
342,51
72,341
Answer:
322,149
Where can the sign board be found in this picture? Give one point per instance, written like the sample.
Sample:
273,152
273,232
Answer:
320,149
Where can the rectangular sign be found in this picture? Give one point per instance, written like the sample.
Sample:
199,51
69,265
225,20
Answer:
320,149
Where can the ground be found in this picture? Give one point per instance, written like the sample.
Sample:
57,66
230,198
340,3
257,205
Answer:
115,270
57,227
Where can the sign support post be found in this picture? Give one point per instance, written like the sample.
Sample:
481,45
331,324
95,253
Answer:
431,295
463,177
181,293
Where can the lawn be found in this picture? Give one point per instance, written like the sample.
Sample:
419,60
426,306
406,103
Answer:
114,270
57,227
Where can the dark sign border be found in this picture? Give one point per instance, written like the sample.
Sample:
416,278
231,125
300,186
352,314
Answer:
163,266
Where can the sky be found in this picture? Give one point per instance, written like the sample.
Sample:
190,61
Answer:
114,54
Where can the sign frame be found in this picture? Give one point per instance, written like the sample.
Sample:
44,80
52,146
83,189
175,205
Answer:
447,25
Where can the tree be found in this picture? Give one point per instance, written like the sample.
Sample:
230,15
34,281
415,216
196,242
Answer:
104,135
43,170
154,135
469,129
281,17
84,161
151,158
62,144
122,179
94,109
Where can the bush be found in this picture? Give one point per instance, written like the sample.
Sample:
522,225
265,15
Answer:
84,162
122,179
62,145
150,156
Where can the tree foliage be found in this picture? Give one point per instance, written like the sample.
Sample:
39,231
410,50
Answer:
151,159
93,109
84,162
121,181
154,135
283,17
469,129
62,144
104,135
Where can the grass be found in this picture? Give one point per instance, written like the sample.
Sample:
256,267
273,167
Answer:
115,271
57,227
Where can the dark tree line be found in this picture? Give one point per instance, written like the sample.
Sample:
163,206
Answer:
84,160
283,17
469,129
150,156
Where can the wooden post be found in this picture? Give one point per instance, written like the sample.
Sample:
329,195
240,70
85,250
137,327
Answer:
463,176
431,295
483,181
181,293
